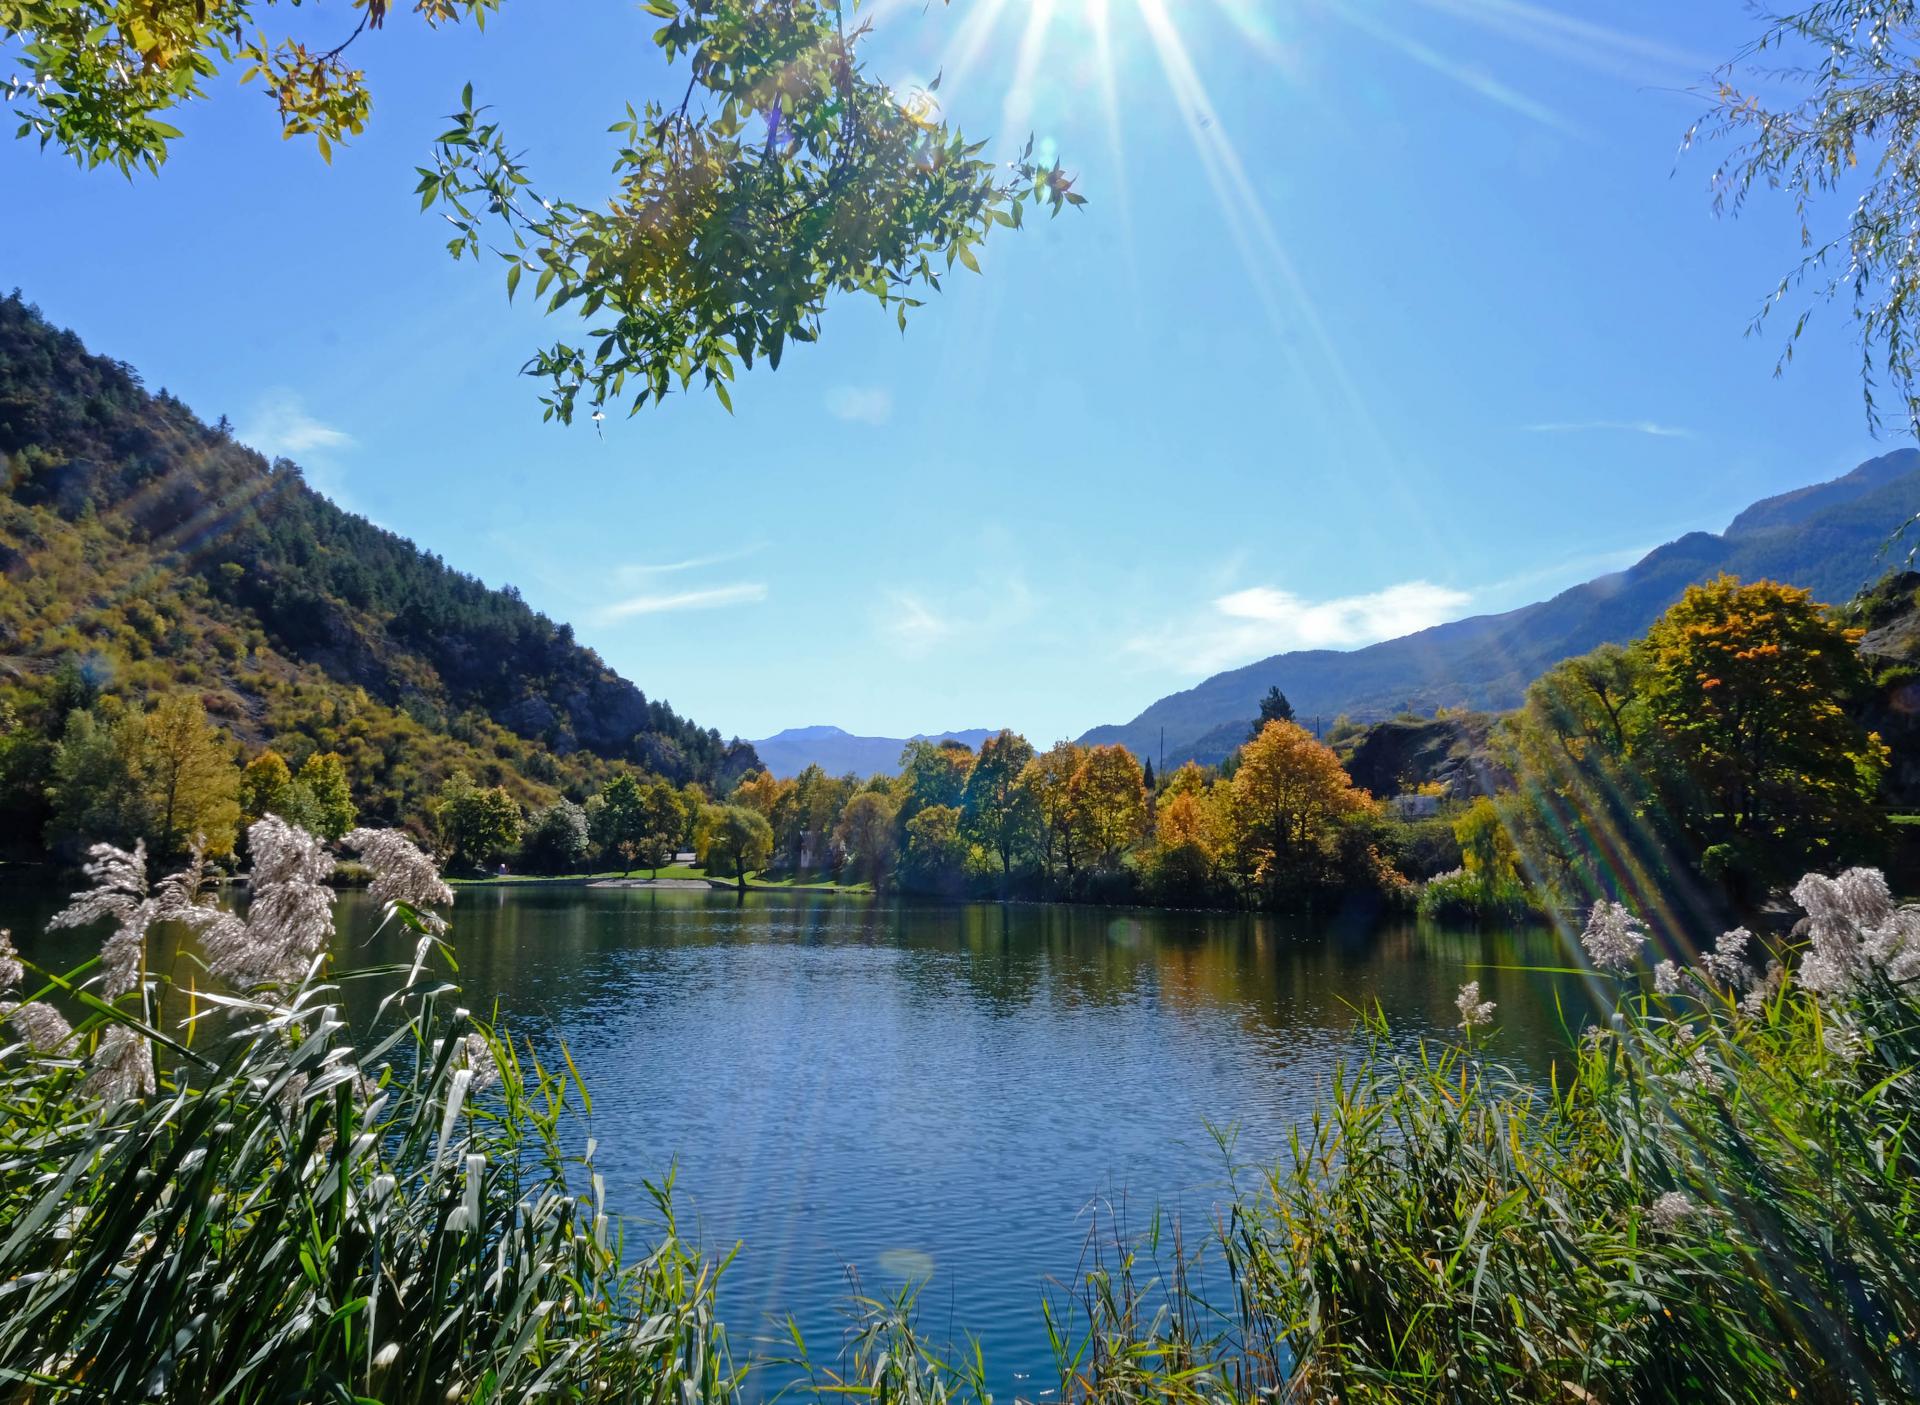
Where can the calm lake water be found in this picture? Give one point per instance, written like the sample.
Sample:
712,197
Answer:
947,1094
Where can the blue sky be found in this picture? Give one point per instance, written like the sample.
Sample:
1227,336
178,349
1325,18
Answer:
1383,312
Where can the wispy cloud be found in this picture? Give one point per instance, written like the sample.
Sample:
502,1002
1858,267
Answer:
913,624
859,404
1250,624
280,425
714,598
637,571
977,615
1651,428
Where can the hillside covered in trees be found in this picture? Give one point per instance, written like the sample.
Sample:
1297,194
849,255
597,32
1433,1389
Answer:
146,554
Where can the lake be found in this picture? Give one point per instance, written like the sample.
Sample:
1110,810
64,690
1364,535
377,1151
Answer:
938,1093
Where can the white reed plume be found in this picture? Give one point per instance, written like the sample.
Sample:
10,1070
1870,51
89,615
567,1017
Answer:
1613,937
290,916
401,873
41,1027
1473,1010
120,895
1853,927
122,1067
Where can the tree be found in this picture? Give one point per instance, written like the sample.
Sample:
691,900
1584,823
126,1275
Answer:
733,839
866,833
1289,795
264,782
934,857
480,825
761,791
1748,684
1190,833
1824,104
932,773
323,777
662,821
1274,707
557,839
783,174
1589,812
1109,802
622,819
192,778
1048,782
996,811
99,790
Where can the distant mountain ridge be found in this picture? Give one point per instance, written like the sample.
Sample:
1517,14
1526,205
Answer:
1829,537
838,752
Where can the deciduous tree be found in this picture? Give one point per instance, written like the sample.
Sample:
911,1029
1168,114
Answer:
733,839
783,173
1289,794
997,812
1109,800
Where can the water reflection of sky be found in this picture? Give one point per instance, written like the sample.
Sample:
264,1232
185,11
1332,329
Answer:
951,1095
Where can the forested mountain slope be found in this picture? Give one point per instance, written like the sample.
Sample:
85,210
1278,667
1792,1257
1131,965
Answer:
142,550
1830,538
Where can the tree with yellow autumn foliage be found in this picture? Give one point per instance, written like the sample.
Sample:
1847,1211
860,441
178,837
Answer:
1290,794
1748,685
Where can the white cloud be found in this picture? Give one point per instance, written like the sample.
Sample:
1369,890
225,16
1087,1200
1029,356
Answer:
1251,624
859,404
1647,427
638,571
716,597
280,425
912,624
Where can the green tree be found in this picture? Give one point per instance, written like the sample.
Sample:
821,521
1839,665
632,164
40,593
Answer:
621,820
1274,707
329,800
997,812
932,773
480,824
663,819
100,782
934,857
733,839
783,174
866,833
557,840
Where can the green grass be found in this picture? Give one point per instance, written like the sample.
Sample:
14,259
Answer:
675,871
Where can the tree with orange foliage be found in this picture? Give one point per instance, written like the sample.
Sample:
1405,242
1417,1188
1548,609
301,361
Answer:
760,791
1289,794
1748,685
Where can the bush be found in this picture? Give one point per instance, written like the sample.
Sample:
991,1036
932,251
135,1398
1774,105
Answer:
1462,898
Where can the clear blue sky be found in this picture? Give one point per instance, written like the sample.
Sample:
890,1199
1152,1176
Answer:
1383,312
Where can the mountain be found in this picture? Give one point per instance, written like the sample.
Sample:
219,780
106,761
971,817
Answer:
838,753
143,550
1829,538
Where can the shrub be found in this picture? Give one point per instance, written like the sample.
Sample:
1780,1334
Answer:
1464,898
